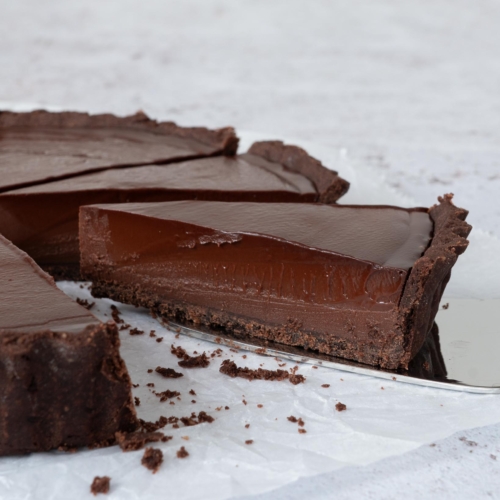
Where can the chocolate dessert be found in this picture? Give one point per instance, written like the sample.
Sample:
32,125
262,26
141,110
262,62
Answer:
40,146
63,384
75,159
358,282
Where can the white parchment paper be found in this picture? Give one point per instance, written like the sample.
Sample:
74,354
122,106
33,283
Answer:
383,418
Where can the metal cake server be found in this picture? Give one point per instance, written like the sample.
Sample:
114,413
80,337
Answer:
463,356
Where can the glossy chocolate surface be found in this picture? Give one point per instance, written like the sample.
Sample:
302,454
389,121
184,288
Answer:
31,156
29,300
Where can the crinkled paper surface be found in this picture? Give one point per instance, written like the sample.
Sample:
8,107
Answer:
383,418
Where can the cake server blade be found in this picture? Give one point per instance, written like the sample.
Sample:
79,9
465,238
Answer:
464,357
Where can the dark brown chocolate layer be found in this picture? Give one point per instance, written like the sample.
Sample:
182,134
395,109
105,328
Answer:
62,381
43,219
321,277
40,146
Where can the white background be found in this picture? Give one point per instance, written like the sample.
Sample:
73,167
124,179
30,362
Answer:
409,89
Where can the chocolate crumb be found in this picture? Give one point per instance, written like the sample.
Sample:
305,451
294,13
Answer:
326,386
302,431
300,422
154,426
467,441
135,386
192,392
178,351
136,331
244,402
244,356
115,313
226,407
249,441
137,401
394,378
152,333
230,368
340,406
247,426
175,426
314,367
382,388
200,361
205,417
493,457
152,459
136,440
150,370
260,406
168,372
150,384
85,303
166,395
159,339
186,438
445,306
193,401
100,485
292,419
182,453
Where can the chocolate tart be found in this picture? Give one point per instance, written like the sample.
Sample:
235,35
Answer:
62,382
40,146
358,282
43,219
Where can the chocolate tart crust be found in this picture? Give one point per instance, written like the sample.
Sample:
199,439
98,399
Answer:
223,139
328,183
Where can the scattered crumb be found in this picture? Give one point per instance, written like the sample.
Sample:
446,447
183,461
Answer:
137,401
341,379
150,370
382,388
467,442
445,306
325,386
244,402
136,331
194,419
292,419
178,351
135,386
200,361
219,408
115,313
150,384
244,356
302,431
152,459
193,401
314,367
182,453
192,392
186,438
432,445
249,441
493,457
247,426
152,333
260,406
85,303
230,368
166,395
168,373
159,339
394,378
234,350
134,441
300,422
340,406
226,407
159,424
100,485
